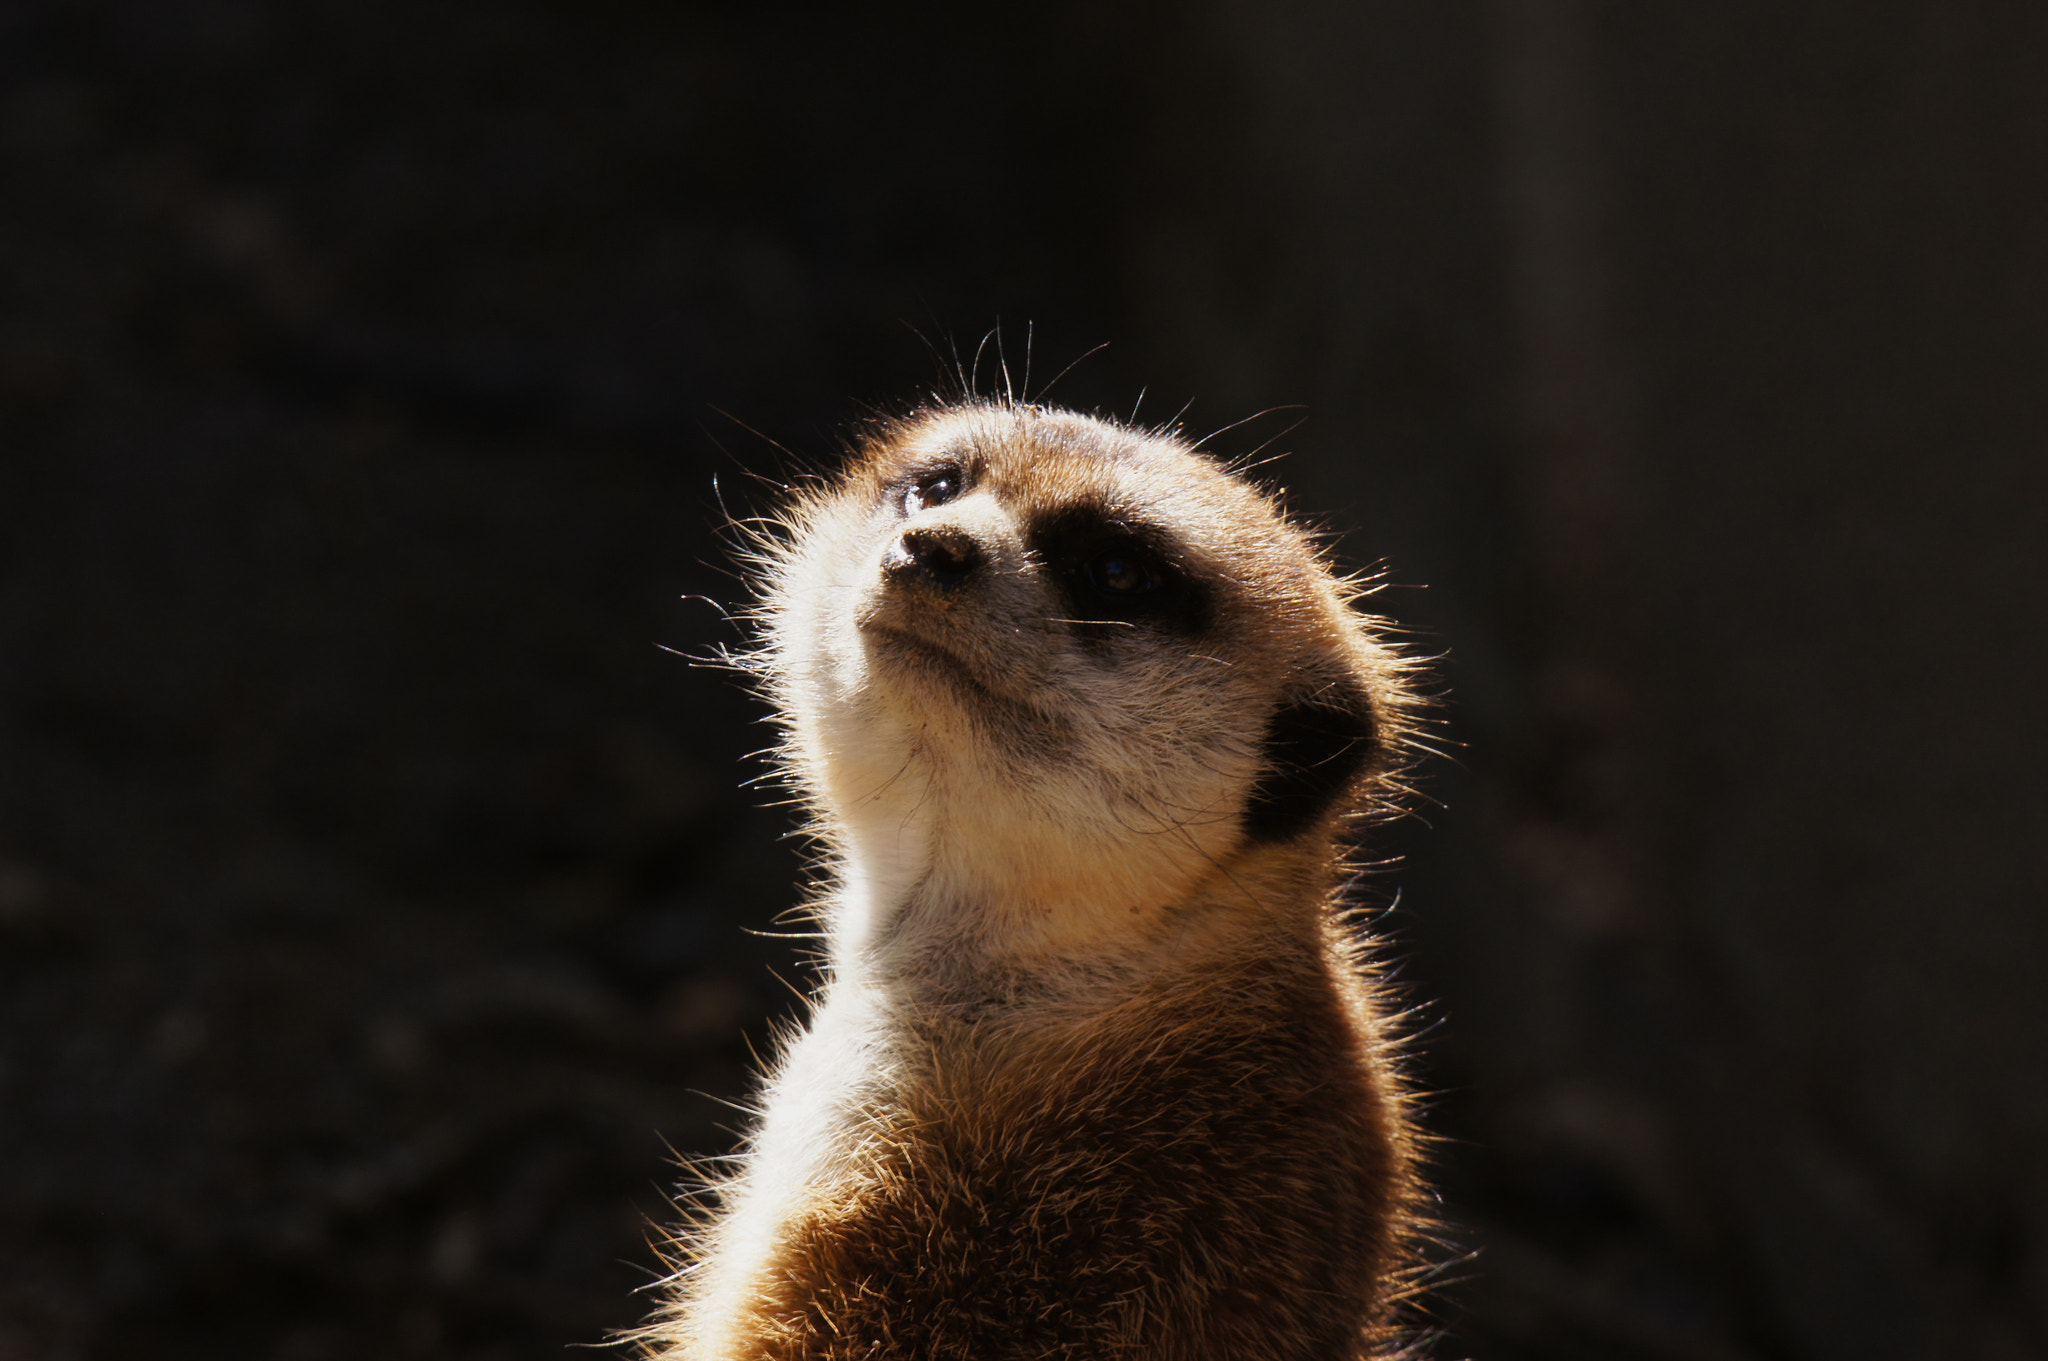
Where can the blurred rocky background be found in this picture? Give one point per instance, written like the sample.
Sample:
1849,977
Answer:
378,897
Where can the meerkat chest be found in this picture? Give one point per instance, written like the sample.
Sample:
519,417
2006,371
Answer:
1156,1184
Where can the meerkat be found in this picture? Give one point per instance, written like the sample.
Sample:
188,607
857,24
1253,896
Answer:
1098,1067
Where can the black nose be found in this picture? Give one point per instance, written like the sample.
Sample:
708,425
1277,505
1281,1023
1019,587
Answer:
942,554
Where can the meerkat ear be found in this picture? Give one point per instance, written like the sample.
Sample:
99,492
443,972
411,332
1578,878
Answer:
1315,746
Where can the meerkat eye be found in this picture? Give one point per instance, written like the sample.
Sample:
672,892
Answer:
934,488
1122,571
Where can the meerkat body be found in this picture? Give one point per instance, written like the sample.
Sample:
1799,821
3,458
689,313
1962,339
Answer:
1096,1070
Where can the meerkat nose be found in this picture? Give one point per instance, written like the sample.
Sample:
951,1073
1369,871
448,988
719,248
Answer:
945,555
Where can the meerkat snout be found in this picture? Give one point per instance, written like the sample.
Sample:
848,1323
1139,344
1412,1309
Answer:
944,555
1099,1069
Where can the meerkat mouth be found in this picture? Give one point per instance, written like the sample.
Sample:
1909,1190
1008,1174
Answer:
978,693
902,640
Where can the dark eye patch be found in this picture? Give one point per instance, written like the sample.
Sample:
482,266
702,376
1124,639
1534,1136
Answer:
1114,572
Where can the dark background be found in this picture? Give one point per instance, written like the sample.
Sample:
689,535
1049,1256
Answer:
374,892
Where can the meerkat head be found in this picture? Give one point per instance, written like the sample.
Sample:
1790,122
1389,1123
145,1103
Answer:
1043,674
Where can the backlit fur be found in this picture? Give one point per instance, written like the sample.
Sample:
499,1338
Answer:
1097,1069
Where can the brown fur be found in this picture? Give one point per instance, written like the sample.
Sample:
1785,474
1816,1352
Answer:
1168,1126
1177,1181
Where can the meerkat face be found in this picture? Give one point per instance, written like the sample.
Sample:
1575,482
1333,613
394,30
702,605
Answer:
1060,671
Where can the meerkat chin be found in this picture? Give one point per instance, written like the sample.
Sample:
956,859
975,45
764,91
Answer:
1097,1069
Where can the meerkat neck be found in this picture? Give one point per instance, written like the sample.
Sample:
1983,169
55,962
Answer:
955,932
